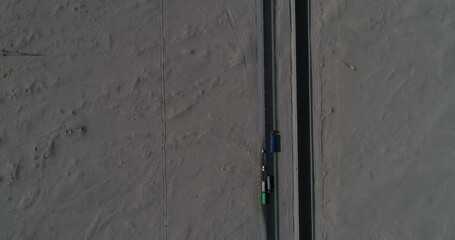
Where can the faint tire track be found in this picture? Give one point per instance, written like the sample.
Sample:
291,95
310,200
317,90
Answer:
234,30
163,95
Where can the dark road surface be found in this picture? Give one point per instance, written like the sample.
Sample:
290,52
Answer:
270,159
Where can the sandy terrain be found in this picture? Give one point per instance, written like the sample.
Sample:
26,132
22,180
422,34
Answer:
94,146
385,119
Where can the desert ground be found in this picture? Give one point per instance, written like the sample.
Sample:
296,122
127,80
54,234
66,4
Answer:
129,120
384,81
142,119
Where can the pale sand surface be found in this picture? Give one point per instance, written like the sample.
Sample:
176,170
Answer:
385,110
81,128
